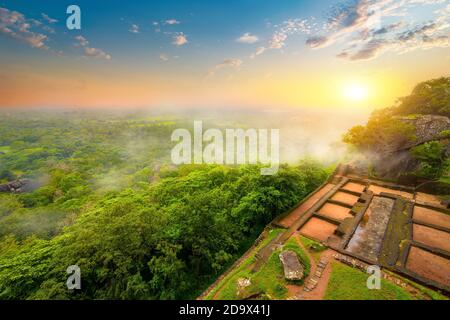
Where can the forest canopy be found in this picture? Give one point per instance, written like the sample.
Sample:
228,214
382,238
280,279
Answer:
108,202
163,241
429,97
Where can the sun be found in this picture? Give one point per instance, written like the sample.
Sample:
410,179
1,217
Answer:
355,92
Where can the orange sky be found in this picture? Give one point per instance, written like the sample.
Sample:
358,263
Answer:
155,65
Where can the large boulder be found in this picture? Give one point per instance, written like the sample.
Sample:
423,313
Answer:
293,270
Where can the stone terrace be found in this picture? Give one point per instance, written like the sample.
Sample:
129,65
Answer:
378,223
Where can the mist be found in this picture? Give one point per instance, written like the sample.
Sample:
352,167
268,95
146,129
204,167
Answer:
303,132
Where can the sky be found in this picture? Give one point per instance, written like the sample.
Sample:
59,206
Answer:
351,54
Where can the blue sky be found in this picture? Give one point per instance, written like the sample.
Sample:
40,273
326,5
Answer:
209,25
197,46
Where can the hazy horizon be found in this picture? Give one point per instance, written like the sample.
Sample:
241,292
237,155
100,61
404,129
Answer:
303,133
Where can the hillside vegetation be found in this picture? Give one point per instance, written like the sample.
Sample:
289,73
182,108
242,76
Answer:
411,138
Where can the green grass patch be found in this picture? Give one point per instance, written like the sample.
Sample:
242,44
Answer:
314,247
422,292
348,283
291,244
231,279
268,282
5,149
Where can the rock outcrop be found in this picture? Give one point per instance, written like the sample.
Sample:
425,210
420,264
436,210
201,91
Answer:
18,186
242,285
428,128
394,161
293,270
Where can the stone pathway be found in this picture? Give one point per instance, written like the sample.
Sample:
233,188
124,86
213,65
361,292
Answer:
316,283
312,282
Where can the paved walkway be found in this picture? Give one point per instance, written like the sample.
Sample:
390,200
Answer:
315,285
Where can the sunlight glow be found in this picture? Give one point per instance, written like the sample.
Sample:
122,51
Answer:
355,92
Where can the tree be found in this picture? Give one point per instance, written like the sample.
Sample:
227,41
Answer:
429,97
432,159
382,131
6,175
166,241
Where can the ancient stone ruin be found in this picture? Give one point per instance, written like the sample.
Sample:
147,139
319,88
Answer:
401,228
293,270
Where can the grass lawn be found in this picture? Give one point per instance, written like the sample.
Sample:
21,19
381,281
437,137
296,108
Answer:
270,279
268,282
422,292
239,272
314,247
348,283
5,149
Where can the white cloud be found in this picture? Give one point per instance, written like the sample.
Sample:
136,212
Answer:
231,63
422,37
247,38
180,39
283,32
36,40
227,63
48,19
96,53
360,26
36,22
15,25
164,57
134,28
278,40
82,41
172,22
369,51
318,42
258,52
90,51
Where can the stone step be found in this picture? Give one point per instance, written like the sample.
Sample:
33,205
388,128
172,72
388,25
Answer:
314,280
